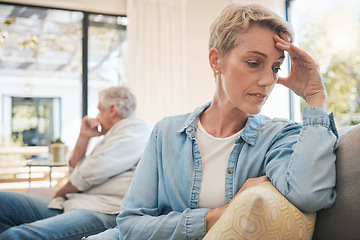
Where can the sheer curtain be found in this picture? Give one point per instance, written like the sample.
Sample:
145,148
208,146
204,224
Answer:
156,57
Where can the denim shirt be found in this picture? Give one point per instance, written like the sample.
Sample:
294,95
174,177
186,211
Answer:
162,201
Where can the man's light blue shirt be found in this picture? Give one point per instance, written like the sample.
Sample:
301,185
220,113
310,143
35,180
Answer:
162,202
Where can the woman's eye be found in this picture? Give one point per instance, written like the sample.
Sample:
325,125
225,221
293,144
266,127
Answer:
276,69
253,64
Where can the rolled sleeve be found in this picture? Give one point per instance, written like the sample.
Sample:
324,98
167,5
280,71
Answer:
78,180
306,153
317,116
195,223
312,173
94,170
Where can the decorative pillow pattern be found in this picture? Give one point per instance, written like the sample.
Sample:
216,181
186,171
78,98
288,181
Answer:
261,212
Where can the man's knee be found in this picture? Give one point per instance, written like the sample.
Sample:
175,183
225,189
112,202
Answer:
15,233
6,199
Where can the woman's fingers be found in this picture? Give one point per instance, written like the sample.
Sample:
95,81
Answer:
281,43
286,46
295,52
281,40
283,37
298,53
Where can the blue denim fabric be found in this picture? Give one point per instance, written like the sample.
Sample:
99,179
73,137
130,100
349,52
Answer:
162,202
109,234
23,216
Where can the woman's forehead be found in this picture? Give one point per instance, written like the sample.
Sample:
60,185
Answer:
259,40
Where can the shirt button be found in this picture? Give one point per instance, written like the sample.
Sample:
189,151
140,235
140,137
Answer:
230,171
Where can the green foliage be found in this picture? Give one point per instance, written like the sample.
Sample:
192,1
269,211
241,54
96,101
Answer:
340,68
58,140
24,117
341,88
26,111
17,141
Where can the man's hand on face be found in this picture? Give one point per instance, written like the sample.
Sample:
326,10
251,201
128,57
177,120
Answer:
89,127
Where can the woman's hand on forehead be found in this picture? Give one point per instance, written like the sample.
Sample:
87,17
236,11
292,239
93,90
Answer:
305,77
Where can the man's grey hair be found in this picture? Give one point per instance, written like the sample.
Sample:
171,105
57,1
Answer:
124,100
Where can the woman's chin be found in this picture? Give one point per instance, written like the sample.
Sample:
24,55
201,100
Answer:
254,110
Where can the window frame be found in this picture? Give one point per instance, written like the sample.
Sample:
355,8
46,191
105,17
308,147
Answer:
85,44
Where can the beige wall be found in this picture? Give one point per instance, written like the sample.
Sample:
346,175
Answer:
116,7
200,15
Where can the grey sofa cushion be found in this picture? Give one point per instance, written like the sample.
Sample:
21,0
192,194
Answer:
342,221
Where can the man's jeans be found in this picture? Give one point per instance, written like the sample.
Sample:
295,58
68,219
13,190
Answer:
24,216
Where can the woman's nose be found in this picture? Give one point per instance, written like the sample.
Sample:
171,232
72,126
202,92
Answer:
269,78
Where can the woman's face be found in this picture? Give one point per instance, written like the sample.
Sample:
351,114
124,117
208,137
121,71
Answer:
250,70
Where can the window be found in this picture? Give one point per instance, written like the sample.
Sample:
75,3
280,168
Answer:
41,65
52,64
35,121
106,64
330,32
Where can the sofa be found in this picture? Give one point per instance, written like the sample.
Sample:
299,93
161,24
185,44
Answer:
342,221
261,212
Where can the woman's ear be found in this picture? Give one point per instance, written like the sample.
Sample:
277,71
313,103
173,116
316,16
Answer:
214,59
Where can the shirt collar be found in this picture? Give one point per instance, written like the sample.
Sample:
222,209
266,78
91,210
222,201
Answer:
249,135
119,124
251,130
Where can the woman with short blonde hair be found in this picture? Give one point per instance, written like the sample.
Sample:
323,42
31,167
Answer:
195,164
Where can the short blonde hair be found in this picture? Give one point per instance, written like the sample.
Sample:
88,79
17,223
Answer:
124,100
236,19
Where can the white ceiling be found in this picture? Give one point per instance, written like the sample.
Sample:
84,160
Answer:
116,7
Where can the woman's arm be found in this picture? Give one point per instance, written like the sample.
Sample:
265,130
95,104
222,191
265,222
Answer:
301,164
301,161
214,214
145,214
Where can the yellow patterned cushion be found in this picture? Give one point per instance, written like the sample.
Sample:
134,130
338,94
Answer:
261,212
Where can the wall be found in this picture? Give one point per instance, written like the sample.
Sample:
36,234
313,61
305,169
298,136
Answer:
116,7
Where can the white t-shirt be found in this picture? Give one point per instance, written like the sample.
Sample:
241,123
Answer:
215,153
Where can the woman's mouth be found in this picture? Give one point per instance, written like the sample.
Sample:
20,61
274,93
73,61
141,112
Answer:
258,95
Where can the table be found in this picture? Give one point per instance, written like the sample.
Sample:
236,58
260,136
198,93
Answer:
25,151
43,163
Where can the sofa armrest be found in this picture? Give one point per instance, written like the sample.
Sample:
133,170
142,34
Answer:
341,221
261,212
